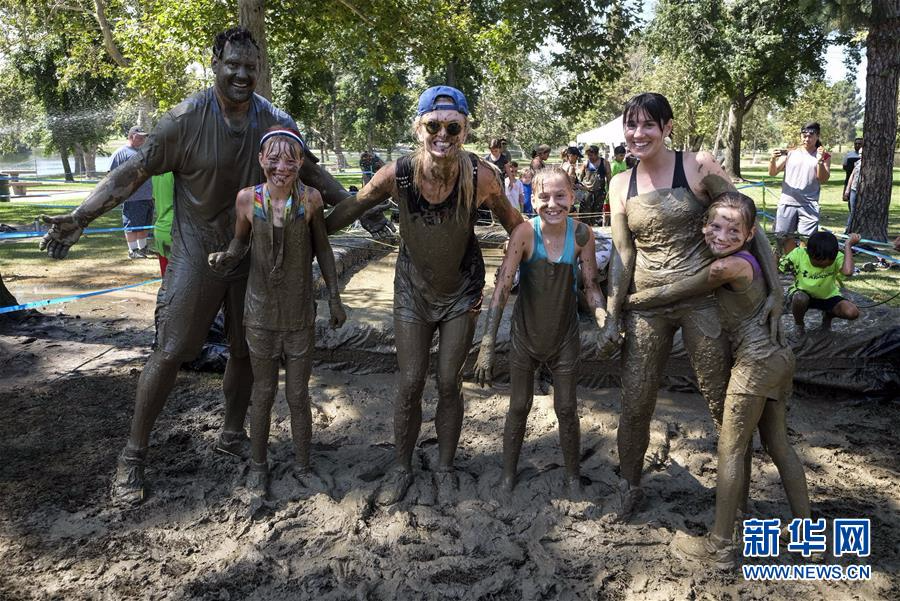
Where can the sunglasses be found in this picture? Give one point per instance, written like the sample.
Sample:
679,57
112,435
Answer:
453,128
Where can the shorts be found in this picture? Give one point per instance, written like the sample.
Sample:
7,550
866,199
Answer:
187,304
822,304
563,361
273,344
137,213
793,218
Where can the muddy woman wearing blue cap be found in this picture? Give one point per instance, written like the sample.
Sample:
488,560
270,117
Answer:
440,271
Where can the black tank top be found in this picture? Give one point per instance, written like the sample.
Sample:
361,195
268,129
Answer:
679,179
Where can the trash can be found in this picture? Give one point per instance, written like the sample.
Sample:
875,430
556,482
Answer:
4,187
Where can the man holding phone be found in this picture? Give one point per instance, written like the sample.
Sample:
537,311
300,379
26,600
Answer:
805,169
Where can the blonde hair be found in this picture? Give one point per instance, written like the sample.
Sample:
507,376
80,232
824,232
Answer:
289,146
537,183
465,193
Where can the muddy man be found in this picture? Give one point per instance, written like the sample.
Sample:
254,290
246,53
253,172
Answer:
210,141
547,250
439,273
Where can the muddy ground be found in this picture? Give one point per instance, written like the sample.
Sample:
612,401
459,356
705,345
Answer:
66,399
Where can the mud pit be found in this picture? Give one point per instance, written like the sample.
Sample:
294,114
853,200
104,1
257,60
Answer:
200,537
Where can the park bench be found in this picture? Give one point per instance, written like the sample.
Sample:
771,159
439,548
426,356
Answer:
10,178
20,188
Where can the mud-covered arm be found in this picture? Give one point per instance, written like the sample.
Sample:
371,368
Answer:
648,298
65,230
584,238
490,193
352,208
325,256
240,243
759,246
518,246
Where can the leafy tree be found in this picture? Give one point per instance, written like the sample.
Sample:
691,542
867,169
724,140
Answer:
743,49
20,112
521,108
876,23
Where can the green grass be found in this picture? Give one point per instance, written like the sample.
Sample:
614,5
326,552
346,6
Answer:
877,285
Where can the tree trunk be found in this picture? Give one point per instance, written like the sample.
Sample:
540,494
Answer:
451,74
79,159
90,161
253,17
732,164
718,143
336,131
64,157
6,297
880,122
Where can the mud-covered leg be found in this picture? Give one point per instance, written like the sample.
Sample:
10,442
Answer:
413,345
521,396
454,342
566,407
709,350
265,385
154,385
773,431
296,388
646,348
740,417
238,378
799,307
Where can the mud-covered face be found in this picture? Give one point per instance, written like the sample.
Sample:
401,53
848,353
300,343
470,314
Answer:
236,71
442,144
281,159
726,233
644,136
554,199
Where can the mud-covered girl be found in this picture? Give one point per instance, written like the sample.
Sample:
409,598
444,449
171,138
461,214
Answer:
288,225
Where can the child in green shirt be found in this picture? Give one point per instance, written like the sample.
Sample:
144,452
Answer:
618,163
818,270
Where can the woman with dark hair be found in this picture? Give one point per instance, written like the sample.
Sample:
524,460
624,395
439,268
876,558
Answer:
657,211
440,271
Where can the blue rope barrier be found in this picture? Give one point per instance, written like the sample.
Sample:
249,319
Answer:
102,230
74,297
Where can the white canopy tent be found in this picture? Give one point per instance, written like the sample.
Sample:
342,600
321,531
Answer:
609,134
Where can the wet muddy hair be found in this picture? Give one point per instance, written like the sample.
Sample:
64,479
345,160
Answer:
537,183
822,246
465,193
296,153
734,200
655,105
235,35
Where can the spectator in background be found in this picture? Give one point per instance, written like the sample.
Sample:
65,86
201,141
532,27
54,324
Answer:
850,189
851,159
539,157
163,201
818,272
594,177
369,163
515,191
618,164
496,157
527,177
805,169
138,208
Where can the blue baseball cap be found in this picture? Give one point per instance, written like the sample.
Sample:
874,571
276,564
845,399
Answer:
428,100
